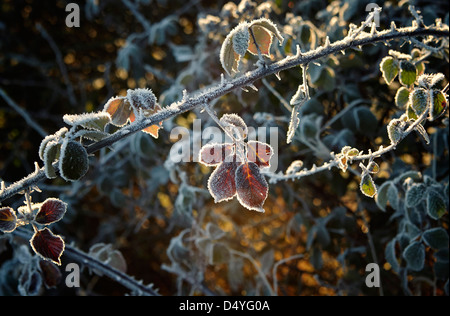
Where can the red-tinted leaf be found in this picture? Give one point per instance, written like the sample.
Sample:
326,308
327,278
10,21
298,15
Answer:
263,39
259,153
214,154
48,246
221,183
8,219
50,273
251,186
119,109
152,129
52,210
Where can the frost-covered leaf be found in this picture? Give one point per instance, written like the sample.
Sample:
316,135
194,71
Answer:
402,97
44,143
419,100
393,198
30,282
52,210
251,186
229,59
241,39
8,219
93,121
414,255
74,161
390,255
259,153
421,130
214,154
47,245
395,132
414,195
51,154
408,73
270,26
299,96
235,124
120,109
293,124
108,255
141,98
382,195
436,238
294,167
438,104
367,185
436,81
221,183
410,114
389,69
436,207
92,135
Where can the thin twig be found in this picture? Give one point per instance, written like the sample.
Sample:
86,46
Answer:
137,287
23,113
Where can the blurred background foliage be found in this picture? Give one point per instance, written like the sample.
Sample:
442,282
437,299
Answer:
318,233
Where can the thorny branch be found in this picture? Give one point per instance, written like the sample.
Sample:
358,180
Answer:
224,87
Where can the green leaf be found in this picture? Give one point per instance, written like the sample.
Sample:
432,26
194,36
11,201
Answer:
74,161
414,195
436,207
389,69
436,238
438,104
367,185
408,73
373,167
414,255
402,97
410,113
419,100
